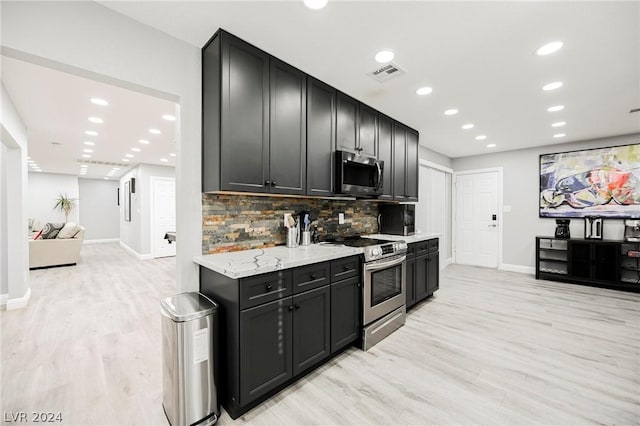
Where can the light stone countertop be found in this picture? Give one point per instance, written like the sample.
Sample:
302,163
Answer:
241,264
408,239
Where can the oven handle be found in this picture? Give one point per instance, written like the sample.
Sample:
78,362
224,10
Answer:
375,266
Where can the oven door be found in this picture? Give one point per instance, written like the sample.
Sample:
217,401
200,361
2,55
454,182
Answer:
384,287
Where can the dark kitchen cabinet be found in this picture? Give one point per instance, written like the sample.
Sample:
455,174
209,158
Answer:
311,328
423,270
346,123
345,312
385,153
367,131
254,120
405,163
266,339
321,136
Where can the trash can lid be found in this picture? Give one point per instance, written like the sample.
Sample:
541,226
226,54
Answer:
187,306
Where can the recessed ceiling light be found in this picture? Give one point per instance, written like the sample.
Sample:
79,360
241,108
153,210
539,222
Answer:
99,101
481,137
172,154
559,124
87,150
491,145
559,135
164,160
552,86
116,168
86,156
105,178
143,141
89,143
468,126
135,149
169,117
96,120
126,160
154,131
555,108
91,133
384,56
315,4
451,111
549,48
424,91
129,155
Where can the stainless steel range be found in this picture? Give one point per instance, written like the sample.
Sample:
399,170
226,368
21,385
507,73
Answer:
384,287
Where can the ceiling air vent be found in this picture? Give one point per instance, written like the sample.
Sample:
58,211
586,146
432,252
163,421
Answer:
387,72
102,163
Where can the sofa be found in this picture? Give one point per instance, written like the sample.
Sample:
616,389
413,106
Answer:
56,251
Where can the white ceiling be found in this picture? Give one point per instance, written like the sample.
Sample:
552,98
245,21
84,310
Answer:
477,56
55,107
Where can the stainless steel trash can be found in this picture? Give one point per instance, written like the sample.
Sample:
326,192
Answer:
189,359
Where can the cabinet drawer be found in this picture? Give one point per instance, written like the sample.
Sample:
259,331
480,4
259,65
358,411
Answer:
345,268
264,288
433,245
422,248
411,250
310,277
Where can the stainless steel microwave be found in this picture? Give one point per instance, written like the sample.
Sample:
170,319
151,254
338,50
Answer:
358,175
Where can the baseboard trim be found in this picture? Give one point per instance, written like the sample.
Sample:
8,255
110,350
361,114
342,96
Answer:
448,262
3,299
18,302
101,241
135,253
518,268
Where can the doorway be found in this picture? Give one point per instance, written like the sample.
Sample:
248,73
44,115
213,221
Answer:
478,227
163,215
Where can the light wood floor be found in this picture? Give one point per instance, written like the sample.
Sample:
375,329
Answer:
491,347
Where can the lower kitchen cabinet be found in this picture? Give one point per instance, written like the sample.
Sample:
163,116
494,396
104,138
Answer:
277,326
423,271
345,312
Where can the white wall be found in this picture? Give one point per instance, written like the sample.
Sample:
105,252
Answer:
88,39
99,211
136,234
44,189
14,172
4,243
434,157
521,188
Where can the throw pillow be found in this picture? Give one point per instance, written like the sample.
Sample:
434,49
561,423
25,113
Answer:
69,231
38,235
51,230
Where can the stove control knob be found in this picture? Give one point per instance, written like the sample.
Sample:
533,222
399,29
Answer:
377,251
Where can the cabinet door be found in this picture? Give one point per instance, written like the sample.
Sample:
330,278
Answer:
422,266
265,348
606,262
580,259
288,131
433,273
346,123
412,165
399,161
385,151
411,282
244,149
345,312
321,125
367,135
311,328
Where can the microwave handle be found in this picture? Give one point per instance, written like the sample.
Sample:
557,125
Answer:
379,182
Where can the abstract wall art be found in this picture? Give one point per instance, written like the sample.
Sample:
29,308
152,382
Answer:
595,182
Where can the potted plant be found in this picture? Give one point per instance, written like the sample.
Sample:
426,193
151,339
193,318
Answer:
65,205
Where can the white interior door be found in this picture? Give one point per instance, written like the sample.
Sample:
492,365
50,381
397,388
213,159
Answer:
477,219
163,214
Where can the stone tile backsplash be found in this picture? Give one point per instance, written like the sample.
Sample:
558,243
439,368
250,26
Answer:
242,222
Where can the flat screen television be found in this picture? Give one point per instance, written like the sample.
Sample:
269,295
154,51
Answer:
593,182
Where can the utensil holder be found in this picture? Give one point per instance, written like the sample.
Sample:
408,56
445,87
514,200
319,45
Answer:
292,237
306,238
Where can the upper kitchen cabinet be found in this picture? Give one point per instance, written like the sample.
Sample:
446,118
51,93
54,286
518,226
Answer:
405,163
356,127
385,153
254,118
288,143
321,137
